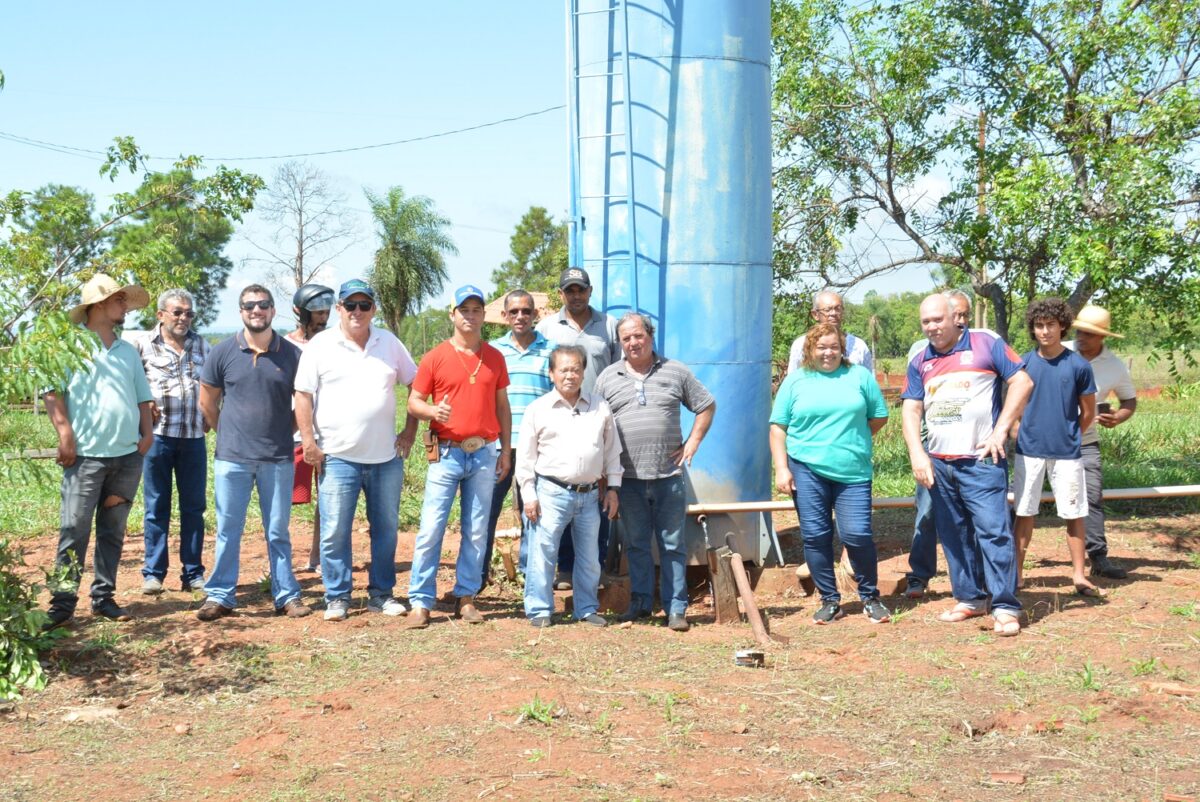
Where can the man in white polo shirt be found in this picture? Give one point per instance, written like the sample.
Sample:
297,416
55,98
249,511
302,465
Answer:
346,413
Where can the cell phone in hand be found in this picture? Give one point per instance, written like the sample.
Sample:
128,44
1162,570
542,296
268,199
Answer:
1103,408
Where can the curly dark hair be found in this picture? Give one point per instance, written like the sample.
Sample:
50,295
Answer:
811,338
1049,309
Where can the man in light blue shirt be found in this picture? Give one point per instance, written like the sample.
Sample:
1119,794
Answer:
526,354
104,423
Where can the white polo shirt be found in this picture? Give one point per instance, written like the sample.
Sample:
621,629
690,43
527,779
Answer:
1112,376
354,392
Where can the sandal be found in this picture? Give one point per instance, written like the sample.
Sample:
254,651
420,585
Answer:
1007,624
960,612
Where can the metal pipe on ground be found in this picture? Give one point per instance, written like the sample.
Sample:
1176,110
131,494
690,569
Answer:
899,502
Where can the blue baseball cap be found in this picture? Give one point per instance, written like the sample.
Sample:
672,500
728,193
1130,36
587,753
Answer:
355,286
467,291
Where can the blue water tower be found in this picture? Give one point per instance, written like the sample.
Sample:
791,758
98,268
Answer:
669,110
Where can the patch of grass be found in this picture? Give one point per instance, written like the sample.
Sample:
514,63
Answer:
1190,611
1142,668
1087,678
538,710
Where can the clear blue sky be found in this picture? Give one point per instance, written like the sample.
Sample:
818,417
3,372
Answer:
224,79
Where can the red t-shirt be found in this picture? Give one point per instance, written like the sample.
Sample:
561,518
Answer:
446,371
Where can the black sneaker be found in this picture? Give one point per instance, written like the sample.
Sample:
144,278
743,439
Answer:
1102,566
916,588
541,622
595,619
677,622
56,617
633,614
875,611
109,609
828,613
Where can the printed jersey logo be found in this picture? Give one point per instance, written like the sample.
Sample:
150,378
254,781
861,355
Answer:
966,358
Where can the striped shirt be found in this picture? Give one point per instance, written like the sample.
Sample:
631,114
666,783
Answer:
647,413
528,374
175,382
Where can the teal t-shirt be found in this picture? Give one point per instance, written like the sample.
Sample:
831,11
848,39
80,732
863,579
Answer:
825,415
103,398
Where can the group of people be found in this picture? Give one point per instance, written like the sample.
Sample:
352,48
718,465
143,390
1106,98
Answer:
966,394
580,416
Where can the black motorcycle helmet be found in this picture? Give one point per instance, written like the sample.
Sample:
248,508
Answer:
312,298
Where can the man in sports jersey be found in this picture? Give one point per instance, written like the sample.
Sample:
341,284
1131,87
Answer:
954,386
460,389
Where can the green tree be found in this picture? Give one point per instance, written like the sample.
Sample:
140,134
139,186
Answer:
1024,146
410,263
173,232
537,254
61,219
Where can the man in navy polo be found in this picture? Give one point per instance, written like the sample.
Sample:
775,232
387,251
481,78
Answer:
246,395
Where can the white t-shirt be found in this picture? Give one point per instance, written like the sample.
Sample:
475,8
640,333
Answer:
1112,376
354,392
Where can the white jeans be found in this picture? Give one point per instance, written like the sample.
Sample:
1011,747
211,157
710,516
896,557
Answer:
1066,480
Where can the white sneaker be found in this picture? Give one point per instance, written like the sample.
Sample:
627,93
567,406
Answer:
387,605
337,610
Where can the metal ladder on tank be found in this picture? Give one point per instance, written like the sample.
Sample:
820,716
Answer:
576,223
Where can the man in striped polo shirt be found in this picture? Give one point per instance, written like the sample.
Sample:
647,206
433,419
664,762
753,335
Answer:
645,392
526,354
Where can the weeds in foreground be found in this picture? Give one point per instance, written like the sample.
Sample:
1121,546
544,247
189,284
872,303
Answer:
1143,667
537,710
1190,611
1087,677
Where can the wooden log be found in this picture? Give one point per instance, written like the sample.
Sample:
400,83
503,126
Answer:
724,588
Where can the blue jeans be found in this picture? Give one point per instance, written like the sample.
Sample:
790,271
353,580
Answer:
566,555
560,507
970,510
232,483
187,459
816,499
922,557
654,509
339,485
499,493
476,475
86,486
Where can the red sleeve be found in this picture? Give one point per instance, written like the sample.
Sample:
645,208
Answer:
496,364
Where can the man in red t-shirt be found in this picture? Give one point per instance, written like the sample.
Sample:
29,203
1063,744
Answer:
460,390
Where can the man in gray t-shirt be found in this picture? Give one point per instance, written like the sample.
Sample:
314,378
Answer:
645,392
577,323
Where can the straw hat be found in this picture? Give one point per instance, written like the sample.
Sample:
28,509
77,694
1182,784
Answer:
99,289
1096,320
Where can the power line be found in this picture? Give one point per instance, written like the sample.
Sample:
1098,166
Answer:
69,150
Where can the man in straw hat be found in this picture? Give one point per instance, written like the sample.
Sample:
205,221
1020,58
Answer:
1092,325
102,413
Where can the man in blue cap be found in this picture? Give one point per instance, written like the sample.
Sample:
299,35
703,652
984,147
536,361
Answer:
346,413
460,389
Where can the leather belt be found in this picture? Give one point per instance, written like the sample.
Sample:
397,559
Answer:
588,488
470,445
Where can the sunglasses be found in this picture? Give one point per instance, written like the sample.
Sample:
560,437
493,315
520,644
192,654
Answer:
248,306
358,306
188,313
640,386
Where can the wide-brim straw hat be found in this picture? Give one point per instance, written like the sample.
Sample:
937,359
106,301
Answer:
1096,320
99,289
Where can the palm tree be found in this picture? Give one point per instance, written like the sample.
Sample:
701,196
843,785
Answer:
410,263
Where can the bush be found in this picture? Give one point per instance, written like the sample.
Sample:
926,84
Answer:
21,635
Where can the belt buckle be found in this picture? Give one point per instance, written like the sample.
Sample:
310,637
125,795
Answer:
472,444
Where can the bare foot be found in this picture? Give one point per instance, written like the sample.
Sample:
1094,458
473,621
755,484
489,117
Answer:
1085,588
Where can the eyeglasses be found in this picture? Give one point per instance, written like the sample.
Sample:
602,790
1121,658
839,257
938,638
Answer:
188,313
825,310
358,306
640,386
248,306
520,311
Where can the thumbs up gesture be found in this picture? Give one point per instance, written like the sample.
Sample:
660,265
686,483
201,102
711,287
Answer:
443,410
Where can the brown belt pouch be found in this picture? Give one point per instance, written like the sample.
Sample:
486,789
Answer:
430,439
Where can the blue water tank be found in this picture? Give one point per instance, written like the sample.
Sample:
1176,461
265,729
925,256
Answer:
693,143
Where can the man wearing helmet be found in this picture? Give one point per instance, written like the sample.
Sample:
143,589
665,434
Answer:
311,304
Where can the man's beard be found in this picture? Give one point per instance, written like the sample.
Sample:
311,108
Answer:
258,328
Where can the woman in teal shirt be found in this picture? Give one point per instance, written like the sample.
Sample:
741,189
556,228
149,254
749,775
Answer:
822,422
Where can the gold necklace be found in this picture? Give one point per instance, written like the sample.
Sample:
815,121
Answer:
472,373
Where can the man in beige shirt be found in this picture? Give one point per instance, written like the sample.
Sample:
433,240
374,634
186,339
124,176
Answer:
568,453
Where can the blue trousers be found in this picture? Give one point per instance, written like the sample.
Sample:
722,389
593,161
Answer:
186,459
816,500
